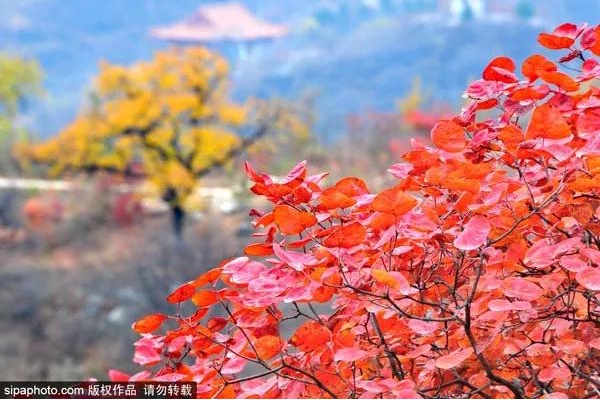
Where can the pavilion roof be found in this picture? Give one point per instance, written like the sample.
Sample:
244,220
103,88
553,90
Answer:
220,22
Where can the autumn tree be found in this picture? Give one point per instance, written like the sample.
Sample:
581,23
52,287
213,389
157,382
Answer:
476,275
170,119
20,81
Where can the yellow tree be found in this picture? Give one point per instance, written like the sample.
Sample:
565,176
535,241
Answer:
20,80
173,116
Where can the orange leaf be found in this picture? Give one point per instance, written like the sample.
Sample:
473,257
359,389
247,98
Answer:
265,220
258,249
394,201
149,323
332,198
205,298
346,236
182,293
448,136
352,186
533,65
547,122
527,93
382,221
383,277
561,80
465,185
268,346
511,136
554,42
596,47
310,336
209,276
291,221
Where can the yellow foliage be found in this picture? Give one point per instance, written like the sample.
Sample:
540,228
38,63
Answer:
173,115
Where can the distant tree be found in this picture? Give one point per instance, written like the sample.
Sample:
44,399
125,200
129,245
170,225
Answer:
170,118
20,80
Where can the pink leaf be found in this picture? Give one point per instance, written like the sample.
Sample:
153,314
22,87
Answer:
453,359
422,327
573,263
589,278
294,259
233,366
140,376
555,395
258,387
146,355
118,376
474,235
568,30
521,288
595,343
400,170
505,305
590,69
298,172
549,373
173,377
349,354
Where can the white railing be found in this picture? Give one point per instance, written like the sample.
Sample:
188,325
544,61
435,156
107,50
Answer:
219,198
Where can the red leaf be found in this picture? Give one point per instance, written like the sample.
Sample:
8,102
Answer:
182,293
500,69
567,30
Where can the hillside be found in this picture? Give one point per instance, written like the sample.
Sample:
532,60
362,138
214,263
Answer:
351,57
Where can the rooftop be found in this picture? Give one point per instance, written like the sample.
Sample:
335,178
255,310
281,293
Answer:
220,22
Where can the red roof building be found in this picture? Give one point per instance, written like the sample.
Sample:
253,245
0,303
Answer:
220,22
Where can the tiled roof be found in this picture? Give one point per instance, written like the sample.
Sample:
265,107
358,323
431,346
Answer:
220,22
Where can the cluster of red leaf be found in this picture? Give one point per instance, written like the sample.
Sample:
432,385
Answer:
476,275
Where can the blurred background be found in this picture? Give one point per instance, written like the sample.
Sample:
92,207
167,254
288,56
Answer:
85,249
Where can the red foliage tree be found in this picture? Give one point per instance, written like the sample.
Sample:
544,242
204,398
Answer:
476,275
